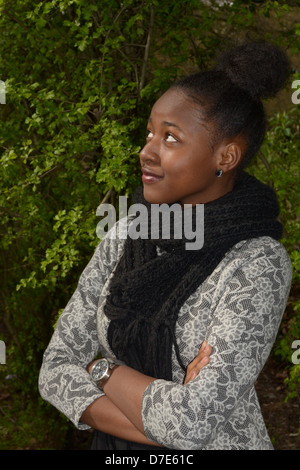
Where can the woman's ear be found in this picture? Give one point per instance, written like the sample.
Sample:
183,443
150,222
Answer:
230,155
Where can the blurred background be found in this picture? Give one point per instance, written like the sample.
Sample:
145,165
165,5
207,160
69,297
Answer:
78,80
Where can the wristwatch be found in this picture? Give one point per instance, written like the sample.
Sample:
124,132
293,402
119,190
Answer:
102,370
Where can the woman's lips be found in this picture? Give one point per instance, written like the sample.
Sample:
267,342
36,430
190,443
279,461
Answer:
150,177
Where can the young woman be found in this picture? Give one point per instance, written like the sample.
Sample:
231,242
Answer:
188,331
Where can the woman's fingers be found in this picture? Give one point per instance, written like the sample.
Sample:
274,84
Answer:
200,361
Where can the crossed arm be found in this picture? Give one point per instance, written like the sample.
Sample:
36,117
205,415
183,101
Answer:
251,296
119,412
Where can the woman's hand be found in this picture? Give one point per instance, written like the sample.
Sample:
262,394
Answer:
198,363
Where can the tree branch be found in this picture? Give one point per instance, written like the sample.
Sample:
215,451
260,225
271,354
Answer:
147,50
267,166
106,37
107,195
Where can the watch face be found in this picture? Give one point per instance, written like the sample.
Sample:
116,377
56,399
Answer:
99,369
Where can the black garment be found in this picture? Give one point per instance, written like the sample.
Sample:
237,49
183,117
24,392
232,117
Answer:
102,441
147,290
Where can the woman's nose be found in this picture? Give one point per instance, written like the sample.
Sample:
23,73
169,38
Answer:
149,153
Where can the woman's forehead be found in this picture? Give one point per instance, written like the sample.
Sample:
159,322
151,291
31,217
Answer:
173,105
176,107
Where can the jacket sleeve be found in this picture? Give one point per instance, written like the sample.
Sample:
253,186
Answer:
242,329
63,380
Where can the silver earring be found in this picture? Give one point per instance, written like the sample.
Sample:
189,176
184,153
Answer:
219,173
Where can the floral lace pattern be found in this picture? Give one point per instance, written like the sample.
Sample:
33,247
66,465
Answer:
238,310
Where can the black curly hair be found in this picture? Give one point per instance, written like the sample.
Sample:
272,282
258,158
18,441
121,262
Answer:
230,94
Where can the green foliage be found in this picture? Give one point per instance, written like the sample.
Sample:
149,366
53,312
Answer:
278,164
81,77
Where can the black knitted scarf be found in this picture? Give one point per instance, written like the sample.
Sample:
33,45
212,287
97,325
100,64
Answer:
148,289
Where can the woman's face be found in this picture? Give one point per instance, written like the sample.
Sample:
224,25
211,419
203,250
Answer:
178,163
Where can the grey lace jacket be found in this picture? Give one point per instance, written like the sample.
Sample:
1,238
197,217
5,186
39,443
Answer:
238,310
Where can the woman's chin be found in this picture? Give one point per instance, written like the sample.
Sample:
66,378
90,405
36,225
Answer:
155,199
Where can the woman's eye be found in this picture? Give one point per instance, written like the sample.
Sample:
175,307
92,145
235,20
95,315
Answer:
170,138
149,134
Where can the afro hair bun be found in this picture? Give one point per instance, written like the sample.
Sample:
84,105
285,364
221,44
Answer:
257,67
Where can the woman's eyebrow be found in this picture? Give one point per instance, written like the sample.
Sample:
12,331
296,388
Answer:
169,124
172,124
